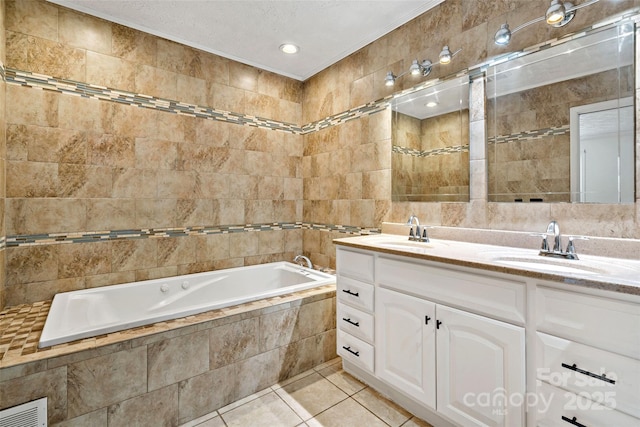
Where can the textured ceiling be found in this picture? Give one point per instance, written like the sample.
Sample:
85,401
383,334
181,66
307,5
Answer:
251,31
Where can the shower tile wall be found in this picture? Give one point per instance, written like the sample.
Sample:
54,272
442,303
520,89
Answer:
78,165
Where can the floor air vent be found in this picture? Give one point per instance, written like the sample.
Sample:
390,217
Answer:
31,414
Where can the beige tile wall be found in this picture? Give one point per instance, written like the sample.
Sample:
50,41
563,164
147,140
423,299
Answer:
131,168
470,25
172,377
81,165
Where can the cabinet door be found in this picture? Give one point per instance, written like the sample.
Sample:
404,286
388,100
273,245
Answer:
481,369
405,344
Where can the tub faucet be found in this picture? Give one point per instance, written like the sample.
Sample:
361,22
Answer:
299,259
415,235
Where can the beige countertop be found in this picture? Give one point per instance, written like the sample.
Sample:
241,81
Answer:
613,274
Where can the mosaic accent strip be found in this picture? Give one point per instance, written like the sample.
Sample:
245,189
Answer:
529,135
352,114
429,153
159,233
87,90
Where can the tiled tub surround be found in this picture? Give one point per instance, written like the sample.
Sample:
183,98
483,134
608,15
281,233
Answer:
170,372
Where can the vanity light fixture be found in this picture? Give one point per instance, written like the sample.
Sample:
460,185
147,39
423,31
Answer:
559,14
289,48
446,55
421,68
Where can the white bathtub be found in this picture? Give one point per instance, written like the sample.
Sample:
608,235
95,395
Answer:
90,312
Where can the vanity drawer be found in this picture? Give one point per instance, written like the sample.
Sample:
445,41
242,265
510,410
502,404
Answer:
493,297
556,358
605,323
355,350
354,264
564,406
355,293
355,322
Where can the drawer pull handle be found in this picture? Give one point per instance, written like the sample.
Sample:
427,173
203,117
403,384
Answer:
348,291
573,421
426,320
355,353
351,322
602,377
438,323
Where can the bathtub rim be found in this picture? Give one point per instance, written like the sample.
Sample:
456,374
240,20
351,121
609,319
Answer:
45,341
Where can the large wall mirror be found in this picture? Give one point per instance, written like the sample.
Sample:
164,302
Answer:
560,121
430,143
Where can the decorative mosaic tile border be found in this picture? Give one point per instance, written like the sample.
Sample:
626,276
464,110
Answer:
87,90
159,233
529,135
345,116
429,153
91,91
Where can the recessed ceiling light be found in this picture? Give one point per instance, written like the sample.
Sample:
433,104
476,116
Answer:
289,48
431,104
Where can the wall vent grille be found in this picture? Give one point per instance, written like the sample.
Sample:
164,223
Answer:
30,414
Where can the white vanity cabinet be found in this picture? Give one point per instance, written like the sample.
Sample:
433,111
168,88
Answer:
461,346
588,359
406,344
440,338
355,296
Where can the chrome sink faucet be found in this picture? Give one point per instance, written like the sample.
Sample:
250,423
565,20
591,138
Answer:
553,230
415,234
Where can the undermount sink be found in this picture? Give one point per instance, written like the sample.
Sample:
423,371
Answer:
406,245
549,265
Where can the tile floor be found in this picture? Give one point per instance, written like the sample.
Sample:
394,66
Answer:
325,396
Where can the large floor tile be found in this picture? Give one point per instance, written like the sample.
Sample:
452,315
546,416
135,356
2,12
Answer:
311,395
416,422
266,411
347,413
386,410
341,379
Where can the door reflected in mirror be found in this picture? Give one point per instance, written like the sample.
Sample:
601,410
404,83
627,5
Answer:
560,121
430,143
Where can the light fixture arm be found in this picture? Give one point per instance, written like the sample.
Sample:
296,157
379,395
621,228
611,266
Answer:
504,34
526,24
580,6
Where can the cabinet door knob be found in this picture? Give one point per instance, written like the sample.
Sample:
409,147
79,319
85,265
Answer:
426,320
438,323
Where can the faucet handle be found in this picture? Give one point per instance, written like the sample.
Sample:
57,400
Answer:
544,247
571,249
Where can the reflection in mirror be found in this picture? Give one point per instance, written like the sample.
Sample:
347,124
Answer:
560,121
430,147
